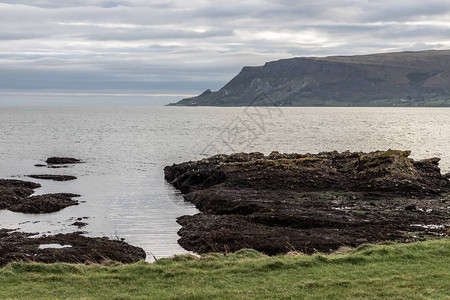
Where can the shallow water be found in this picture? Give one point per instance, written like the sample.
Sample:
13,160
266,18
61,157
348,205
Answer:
125,150
54,246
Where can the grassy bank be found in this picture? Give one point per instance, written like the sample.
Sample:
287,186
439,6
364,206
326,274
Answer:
420,270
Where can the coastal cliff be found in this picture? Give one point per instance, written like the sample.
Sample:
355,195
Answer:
419,78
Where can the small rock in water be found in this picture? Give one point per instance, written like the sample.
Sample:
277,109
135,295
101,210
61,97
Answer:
62,160
53,177
79,224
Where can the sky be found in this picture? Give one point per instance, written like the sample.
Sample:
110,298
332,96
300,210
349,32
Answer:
136,52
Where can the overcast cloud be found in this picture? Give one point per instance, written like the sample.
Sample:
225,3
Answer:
170,48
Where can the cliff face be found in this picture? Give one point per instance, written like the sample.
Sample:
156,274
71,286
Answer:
406,78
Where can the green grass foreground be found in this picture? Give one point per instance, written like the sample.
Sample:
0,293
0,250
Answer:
396,271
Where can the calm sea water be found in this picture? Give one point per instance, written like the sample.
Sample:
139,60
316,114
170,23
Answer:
125,150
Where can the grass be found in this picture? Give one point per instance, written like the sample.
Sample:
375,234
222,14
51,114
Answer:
395,271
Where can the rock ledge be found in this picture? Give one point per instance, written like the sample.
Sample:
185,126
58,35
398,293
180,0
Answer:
310,202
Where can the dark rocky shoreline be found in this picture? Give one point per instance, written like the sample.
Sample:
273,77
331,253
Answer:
16,196
284,202
75,248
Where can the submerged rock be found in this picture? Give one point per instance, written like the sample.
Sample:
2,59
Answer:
53,177
75,248
79,224
305,202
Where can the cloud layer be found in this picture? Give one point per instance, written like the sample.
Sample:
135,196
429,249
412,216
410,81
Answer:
184,47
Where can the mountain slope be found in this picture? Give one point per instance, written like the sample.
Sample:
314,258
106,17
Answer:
405,78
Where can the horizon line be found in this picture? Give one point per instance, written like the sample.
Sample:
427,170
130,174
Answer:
95,94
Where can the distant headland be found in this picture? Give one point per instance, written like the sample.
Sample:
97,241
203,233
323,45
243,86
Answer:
419,78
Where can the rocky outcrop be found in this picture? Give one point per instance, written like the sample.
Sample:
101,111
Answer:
46,203
70,248
307,202
15,195
402,79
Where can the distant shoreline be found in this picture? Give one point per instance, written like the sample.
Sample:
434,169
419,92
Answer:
325,106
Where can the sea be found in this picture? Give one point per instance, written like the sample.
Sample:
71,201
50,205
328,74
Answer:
125,149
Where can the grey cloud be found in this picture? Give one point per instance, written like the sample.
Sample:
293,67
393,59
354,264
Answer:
382,31
361,11
85,81
67,3
195,45
404,10
161,34
20,36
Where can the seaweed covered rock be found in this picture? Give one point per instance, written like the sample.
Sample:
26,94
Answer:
309,202
389,171
47,203
70,248
12,191
15,195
